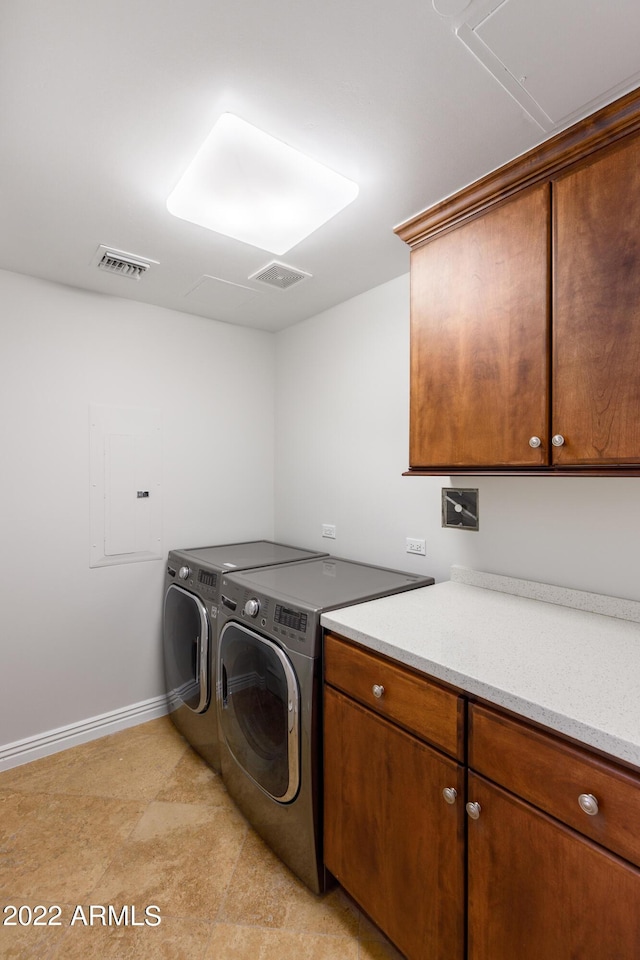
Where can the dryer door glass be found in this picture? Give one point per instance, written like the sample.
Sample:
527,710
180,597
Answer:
259,710
186,650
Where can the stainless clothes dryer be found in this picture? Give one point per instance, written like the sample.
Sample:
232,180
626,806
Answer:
190,631
269,694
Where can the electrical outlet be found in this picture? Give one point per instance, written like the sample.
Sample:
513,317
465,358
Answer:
329,530
416,546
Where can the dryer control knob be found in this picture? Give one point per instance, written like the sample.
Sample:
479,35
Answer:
184,573
252,607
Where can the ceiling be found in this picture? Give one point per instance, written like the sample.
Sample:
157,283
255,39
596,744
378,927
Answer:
103,105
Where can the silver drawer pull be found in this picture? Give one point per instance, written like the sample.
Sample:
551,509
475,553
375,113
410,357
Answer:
473,809
557,440
535,442
450,794
588,804
378,690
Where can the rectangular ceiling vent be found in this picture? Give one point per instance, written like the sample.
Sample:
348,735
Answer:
121,263
279,275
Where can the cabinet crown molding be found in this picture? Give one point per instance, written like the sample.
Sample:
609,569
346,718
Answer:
601,129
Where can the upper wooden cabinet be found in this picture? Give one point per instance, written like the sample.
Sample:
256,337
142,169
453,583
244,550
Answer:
596,310
525,311
479,342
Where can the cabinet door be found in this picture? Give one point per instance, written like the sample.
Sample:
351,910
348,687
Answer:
390,838
479,339
596,341
539,890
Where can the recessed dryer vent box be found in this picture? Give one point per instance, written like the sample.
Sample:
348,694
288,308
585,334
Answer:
460,508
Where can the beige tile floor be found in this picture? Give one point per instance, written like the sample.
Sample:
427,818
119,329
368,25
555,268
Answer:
136,820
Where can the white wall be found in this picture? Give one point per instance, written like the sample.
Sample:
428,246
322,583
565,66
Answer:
77,642
342,412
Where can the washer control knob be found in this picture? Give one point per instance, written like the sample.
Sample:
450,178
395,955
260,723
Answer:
184,573
252,607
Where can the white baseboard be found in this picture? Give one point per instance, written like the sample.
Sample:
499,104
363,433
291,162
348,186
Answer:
44,744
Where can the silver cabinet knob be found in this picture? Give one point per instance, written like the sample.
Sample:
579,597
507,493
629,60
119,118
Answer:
588,804
473,809
450,794
378,690
557,440
535,442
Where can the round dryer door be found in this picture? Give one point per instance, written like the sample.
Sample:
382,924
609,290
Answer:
259,710
186,650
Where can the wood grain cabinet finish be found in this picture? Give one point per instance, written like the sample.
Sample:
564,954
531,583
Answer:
537,885
548,865
479,339
596,310
554,776
409,699
390,837
538,889
525,311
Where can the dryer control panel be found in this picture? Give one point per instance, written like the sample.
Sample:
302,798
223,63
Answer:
293,626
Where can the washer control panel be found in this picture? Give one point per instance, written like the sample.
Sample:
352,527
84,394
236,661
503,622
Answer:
201,580
289,617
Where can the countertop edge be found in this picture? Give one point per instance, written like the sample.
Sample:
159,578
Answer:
589,735
569,668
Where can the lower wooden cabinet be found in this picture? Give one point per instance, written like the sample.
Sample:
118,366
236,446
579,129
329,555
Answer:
540,890
543,865
553,856
391,839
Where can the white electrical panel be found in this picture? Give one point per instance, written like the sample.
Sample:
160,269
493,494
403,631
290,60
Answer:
126,488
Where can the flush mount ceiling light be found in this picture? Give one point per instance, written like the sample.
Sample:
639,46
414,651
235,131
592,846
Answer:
247,185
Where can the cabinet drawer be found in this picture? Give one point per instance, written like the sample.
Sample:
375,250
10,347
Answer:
410,700
552,775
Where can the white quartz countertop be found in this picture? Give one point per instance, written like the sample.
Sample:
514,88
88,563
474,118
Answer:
543,654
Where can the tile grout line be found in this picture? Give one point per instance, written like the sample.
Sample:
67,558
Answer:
134,826
183,787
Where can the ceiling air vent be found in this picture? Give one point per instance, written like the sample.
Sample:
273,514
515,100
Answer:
121,263
279,275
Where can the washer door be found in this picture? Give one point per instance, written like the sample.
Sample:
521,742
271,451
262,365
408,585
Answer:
186,650
260,710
